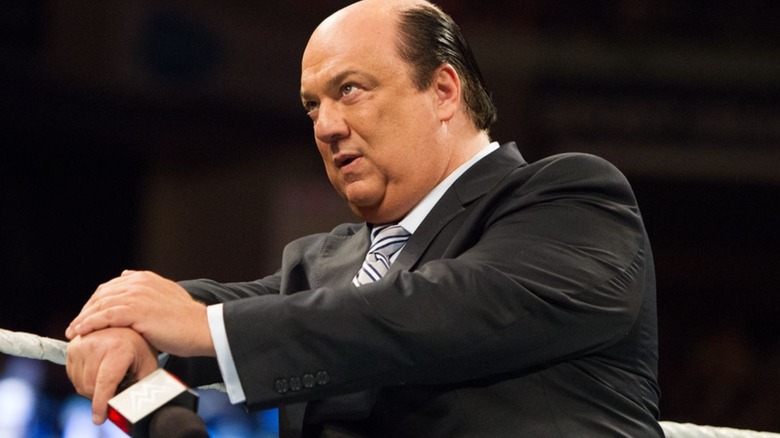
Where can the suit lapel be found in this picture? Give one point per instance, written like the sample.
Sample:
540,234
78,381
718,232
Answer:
341,257
473,184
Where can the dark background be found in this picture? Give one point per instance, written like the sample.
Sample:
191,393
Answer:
168,135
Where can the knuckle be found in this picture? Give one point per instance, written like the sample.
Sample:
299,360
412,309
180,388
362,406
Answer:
86,389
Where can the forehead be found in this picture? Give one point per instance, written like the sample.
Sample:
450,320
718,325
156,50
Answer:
351,43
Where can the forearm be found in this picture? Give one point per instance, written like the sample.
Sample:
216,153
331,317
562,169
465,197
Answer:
212,292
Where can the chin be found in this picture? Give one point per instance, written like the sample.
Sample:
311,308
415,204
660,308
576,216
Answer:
377,215
371,209
368,214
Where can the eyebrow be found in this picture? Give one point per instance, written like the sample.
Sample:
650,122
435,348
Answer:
336,80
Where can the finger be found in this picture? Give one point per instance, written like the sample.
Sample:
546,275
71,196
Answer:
112,286
112,371
89,309
80,370
113,316
86,309
107,295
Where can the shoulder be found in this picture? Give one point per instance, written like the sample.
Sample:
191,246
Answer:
568,176
576,170
569,166
577,163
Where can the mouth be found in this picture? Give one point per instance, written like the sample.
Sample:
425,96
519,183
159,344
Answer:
345,160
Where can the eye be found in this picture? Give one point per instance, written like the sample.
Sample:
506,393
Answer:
348,89
310,106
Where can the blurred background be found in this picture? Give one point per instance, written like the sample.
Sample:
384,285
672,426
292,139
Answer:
169,135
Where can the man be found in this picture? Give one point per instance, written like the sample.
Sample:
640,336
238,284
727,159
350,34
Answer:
523,304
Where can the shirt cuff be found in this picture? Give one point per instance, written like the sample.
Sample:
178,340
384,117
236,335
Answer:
224,356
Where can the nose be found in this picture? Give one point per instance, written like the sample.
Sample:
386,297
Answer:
329,125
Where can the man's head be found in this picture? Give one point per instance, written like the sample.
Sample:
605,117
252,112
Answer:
396,100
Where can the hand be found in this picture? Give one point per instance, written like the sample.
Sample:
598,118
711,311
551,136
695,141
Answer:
99,362
157,308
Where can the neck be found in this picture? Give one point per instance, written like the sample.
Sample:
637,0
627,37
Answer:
465,147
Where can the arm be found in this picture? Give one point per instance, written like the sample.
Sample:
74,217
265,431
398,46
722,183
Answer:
211,292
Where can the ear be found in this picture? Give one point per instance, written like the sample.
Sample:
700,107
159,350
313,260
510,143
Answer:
446,84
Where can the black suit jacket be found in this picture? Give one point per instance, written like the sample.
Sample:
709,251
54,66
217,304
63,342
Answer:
523,305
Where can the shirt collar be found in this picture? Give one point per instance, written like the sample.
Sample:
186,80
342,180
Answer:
421,210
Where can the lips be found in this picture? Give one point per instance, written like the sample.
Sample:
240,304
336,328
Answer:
343,160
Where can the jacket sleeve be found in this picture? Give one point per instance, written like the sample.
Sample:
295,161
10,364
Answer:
212,292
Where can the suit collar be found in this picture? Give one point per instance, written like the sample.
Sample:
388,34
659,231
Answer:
486,173
478,180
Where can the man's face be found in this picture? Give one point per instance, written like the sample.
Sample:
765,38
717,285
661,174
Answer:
379,136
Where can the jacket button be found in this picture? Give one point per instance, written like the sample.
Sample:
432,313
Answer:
295,384
322,378
281,386
309,381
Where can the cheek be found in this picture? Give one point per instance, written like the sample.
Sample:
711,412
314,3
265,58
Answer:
330,171
327,156
323,149
425,165
327,161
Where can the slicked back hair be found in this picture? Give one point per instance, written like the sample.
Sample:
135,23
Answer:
428,38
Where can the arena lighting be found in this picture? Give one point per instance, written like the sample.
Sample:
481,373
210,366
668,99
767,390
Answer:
17,405
17,397
75,420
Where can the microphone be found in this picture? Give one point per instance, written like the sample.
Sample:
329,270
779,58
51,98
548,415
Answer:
159,405
177,422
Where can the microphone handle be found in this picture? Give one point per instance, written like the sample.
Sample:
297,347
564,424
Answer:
177,422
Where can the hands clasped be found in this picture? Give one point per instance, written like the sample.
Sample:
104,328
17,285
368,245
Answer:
123,326
156,308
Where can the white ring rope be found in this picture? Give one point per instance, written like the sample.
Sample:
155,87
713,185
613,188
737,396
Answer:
30,346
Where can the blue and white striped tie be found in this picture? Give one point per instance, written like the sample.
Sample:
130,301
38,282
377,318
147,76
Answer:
387,240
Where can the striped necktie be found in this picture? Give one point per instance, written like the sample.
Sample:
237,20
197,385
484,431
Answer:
387,240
